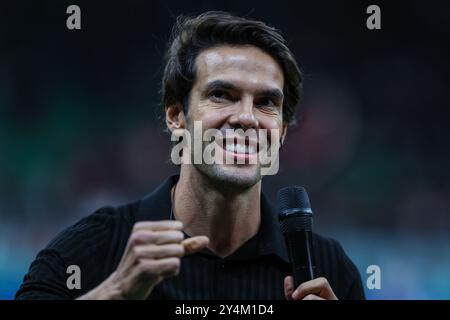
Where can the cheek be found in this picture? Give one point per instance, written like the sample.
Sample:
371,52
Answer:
274,127
210,118
271,122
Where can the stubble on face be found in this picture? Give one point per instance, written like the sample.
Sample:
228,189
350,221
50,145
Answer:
250,70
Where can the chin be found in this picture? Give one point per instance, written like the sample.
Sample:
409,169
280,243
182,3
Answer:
232,176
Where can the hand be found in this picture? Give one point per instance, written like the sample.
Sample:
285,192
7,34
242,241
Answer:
316,289
153,253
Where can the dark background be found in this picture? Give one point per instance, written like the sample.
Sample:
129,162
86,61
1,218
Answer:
81,126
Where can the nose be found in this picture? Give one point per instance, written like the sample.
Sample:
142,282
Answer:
244,116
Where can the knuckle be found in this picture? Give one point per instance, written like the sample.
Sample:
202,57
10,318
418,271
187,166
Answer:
323,282
136,226
138,237
134,239
135,252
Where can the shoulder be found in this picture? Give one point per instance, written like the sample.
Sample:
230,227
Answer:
334,264
96,238
94,244
329,247
96,228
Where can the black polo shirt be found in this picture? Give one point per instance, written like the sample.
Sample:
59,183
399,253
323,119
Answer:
254,271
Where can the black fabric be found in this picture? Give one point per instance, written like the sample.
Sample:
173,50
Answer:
255,271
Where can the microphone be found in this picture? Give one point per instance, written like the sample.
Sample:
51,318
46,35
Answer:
295,217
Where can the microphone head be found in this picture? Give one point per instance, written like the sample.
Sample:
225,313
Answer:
294,210
292,200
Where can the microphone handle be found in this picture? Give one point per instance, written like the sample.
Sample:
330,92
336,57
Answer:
300,249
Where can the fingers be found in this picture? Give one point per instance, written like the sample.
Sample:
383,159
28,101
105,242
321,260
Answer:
195,244
318,287
152,251
160,240
169,244
288,287
158,225
312,297
167,267
147,274
143,237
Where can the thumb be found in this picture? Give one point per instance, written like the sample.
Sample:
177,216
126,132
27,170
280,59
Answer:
194,244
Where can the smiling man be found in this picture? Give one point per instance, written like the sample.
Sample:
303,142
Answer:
209,232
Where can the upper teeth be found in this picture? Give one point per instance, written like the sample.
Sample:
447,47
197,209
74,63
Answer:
240,148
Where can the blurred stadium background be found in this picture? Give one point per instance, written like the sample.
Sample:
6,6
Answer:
80,125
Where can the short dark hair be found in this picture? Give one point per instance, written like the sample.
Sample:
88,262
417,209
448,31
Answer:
191,35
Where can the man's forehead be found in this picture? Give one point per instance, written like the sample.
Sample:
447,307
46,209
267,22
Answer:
239,62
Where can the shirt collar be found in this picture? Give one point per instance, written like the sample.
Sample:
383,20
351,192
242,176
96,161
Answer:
157,206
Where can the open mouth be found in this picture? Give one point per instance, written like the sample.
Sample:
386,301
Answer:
240,148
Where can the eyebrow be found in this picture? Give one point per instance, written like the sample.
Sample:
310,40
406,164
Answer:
272,93
226,85
220,84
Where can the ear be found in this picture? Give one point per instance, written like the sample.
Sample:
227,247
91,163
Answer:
283,133
175,118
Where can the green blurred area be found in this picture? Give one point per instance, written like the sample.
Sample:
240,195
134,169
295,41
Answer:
80,122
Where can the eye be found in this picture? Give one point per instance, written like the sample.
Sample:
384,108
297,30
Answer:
266,102
219,95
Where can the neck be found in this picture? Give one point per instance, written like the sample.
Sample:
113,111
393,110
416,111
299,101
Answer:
227,218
